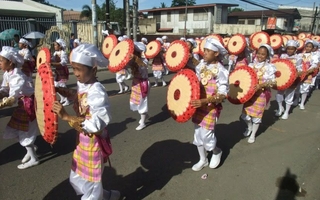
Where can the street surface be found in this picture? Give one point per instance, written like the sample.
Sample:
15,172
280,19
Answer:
155,163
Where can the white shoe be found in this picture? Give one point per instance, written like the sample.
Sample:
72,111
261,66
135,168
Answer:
251,140
155,85
199,165
247,133
66,103
140,127
29,164
126,88
285,116
302,107
26,158
215,160
164,84
279,112
120,92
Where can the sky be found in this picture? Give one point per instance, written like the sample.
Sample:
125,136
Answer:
147,4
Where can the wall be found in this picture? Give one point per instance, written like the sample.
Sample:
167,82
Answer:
235,28
147,26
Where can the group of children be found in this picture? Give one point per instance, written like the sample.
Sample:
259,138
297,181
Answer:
91,103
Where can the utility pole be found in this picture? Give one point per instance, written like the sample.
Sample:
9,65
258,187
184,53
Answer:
124,16
135,21
314,19
128,18
94,22
108,16
185,19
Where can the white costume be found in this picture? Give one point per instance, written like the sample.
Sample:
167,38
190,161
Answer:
159,66
214,81
123,74
290,92
87,163
23,124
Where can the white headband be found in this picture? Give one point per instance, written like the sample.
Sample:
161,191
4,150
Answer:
89,55
23,41
77,41
193,42
61,42
160,40
215,45
293,43
269,49
12,54
138,46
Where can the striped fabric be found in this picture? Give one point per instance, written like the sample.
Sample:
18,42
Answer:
157,64
135,96
62,73
20,118
87,159
256,105
206,115
309,78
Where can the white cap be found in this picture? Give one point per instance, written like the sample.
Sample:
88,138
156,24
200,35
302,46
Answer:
269,48
215,45
61,42
160,40
89,55
138,46
12,54
23,41
164,37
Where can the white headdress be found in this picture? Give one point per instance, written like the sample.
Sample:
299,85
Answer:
160,40
89,55
138,46
193,42
215,45
61,42
12,54
23,41
293,43
269,48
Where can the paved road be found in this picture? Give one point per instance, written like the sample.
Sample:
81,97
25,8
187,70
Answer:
155,163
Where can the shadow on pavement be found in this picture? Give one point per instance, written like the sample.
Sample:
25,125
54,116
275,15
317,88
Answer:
289,187
117,128
159,163
268,118
161,116
63,191
65,144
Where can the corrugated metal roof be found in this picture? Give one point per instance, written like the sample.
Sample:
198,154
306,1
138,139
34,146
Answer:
14,8
189,7
269,13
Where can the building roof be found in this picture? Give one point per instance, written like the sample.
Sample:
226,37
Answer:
73,15
16,8
266,13
189,7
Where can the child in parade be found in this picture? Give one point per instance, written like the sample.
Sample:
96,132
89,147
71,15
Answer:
166,44
140,84
93,116
16,87
311,61
316,52
29,64
76,43
214,87
158,67
59,60
122,75
254,108
291,49
193,57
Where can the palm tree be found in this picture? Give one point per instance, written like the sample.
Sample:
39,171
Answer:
86,12
163,5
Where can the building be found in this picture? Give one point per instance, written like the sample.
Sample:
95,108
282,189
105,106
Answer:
200,19
69,15
307,16
285,18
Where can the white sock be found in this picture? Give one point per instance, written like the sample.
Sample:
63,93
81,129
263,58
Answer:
120,86
163,82
202,153
155,81
32,153
287,109
255,128
303,98
249,124
143,118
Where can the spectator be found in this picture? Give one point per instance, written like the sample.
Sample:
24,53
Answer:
71,41
15,42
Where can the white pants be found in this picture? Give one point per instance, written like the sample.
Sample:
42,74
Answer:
305,88
249,118
204,137
158,74
289,95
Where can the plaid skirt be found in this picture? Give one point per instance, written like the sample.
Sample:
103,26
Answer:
23,114
256,105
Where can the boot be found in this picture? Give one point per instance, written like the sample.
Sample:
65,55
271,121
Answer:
252,137
33,158
303,100
203,162
27,157
286,112
216,157
126,88
280,109
142,122
121,88
249,129
155,82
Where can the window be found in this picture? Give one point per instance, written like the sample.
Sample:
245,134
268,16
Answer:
200,15
182,15
241,21
251,21
168,16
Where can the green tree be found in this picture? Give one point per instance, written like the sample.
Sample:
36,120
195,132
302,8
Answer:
230,10
176,3
163,5
86,12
